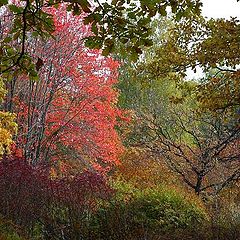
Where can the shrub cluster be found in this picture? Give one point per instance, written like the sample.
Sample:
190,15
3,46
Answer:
147,214
87,207
45,207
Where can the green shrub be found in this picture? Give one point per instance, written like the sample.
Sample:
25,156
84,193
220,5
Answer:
8,231
134,213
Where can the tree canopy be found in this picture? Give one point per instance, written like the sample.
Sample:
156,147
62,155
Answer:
127,21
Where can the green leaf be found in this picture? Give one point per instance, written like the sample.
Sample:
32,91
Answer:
76,10
93,42
179,15
109,47
163,11
85,5
132,15
7,40
134,56
94,28
10,51
89,19
106,51
35,34
15,8
124,40
16,35
3,2
33,73
69,7
148,42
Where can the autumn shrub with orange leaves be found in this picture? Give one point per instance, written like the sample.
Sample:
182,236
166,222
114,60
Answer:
143,169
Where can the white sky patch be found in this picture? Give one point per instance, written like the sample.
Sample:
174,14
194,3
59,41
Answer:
216,9
221,8
191,75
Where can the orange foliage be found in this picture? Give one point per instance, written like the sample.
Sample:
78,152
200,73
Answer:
143,169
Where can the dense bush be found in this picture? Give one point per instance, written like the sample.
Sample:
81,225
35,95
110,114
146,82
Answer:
148,214
87,207
225,214
10,231
45,207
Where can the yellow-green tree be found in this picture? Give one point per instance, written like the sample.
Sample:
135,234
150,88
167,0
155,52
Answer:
8,126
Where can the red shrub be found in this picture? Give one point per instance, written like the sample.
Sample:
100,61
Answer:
28,195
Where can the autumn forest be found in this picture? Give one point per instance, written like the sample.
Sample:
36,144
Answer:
119,120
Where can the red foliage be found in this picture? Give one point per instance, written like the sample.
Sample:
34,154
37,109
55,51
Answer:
27,194
23,192
70,112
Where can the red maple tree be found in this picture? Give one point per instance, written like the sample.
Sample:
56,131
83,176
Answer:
70,112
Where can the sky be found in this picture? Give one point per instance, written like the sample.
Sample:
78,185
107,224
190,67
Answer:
216,9
221,8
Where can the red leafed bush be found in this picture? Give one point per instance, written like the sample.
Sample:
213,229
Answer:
23,191
29,196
